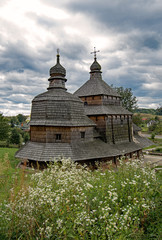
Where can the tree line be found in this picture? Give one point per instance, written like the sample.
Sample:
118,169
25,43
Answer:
10,130
157,111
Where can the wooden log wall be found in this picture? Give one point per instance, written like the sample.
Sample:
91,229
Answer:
118,129
101,125
98,100
68,134
92,100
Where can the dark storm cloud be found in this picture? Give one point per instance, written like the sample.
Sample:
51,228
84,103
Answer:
19,56
151,43
74,51
122,15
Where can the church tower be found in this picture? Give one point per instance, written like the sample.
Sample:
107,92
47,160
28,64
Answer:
103,105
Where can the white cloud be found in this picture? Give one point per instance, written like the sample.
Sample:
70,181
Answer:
148,102
153,86
31,31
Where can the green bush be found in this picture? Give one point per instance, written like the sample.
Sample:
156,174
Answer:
159,150
153,136
68,201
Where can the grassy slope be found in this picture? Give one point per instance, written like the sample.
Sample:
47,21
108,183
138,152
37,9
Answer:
149,116
8,169
10,152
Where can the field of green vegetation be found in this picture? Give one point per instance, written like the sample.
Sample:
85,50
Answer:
67,201
8,169
149,116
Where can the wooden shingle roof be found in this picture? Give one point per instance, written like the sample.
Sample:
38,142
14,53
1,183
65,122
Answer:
56,107
95,86
142,141
105,110
96,149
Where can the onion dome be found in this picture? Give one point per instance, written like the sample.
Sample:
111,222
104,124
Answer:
57,75
58,69
95,67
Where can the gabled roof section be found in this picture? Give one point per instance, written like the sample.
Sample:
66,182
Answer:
91,110
96,86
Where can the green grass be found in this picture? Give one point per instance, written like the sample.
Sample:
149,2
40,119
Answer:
157,141
144,129
158,150
150,147
8,171
5,144
10,152
71,202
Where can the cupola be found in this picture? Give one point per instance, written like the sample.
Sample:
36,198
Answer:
95,67
57,75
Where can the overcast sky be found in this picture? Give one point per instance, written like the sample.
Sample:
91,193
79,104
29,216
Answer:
128,34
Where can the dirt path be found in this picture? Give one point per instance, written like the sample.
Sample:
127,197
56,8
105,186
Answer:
157,160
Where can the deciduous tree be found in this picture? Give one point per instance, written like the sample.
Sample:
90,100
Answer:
4,128
128,100
15,137
21,118
137,119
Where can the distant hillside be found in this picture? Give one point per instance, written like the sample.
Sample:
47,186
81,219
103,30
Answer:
145,110
157,111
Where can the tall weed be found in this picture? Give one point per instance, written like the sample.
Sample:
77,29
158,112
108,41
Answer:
68,201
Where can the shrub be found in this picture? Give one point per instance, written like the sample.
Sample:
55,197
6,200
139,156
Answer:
16,137
153,136
68,201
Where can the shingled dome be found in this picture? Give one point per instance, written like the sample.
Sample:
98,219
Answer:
56,107
95,66
58,69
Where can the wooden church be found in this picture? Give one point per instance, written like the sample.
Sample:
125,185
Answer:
87,126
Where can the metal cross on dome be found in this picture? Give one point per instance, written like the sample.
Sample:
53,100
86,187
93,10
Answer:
58,55
95,56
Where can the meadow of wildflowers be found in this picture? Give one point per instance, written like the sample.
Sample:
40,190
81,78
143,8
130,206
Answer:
68,201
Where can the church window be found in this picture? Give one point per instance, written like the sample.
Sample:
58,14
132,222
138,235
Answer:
58,136
121,122
82,134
